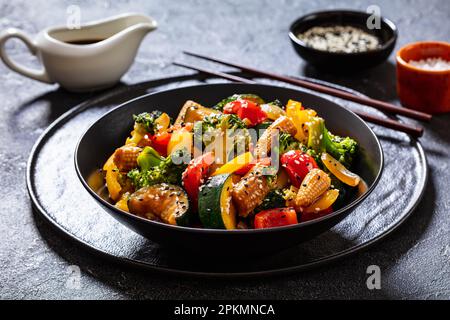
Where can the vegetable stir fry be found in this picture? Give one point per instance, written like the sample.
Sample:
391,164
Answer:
244,163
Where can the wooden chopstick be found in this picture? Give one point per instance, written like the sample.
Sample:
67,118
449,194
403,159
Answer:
380,105
215,73
385,122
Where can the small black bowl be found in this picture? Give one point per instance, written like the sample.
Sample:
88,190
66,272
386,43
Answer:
110,131
341,62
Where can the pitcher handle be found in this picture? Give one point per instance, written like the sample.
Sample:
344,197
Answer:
40,75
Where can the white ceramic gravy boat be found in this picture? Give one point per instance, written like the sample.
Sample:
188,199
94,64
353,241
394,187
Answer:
82,67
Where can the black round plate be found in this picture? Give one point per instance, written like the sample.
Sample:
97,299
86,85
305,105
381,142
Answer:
58,195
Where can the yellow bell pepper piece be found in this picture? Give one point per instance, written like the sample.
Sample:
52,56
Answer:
181,139
292,111
109,165
273,112
234,165
163,122
112,175
306,115
135,138
96,181
122,204
362,187
282,179
324,202
227,208
290,196
340,171
300,117
296,105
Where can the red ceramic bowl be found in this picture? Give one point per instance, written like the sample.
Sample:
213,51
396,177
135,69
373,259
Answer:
424,90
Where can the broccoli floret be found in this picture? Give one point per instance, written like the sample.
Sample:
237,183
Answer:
224,102
222,121
277,103
167,171
288,143
343,149
251,97
206,132
274,199
148,120
320,140
212,126
231,121
316,156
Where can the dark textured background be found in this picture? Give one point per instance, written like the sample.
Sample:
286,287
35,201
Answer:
35,260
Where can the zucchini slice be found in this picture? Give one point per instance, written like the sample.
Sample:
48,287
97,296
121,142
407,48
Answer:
166,202
215,206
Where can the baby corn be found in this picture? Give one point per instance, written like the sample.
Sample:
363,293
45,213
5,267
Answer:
316,183
250,191
125,158
264,144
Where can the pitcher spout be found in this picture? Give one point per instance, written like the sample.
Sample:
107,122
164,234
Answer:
137,24
131,30
140,24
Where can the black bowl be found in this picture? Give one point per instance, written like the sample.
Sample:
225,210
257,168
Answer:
109,133
342,62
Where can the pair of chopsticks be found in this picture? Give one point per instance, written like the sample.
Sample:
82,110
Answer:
413,130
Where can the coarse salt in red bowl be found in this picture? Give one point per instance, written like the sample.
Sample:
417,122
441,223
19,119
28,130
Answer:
423,76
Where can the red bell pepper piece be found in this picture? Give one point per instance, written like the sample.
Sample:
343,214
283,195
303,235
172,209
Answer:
297,165
244,170
315,215
160,142
246,109
196,174
145,142
232,107
275,218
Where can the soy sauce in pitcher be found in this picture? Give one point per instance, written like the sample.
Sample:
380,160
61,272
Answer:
84,41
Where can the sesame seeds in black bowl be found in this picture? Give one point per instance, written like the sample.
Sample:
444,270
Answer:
342,41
